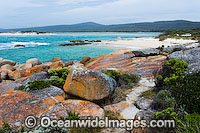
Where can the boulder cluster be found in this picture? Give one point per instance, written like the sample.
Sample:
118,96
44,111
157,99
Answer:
86,89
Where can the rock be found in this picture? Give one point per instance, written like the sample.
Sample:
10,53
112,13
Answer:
47,63
36,69
7,67
4,62
83,108
76,41
85,60
37,76
69,63
123,109
24,66
20,46
89,84
146,52
57,65
191,56
15,105
127,63
144,103
4,87
4,74
28,72
15,75
174,48
55,59
34,61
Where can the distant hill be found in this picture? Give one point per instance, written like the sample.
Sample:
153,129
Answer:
159,26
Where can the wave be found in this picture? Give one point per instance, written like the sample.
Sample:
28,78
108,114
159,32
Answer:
12,45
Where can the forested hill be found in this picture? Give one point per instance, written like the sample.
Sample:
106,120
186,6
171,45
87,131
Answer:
132,27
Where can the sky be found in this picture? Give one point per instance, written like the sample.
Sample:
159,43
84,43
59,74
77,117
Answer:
33,13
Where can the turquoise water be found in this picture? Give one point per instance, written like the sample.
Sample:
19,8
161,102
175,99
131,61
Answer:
44,47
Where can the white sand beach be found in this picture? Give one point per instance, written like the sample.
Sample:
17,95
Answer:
138,43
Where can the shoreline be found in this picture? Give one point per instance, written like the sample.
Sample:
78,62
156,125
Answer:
144,42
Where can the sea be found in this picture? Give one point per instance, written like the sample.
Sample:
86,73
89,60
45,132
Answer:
45,47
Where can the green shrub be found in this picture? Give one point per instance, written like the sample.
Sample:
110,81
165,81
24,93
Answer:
128,80
112,73
187,92
123,80
56,81
190,124
35,85
177,68
6,128
58,76
164,100
167,114
61,73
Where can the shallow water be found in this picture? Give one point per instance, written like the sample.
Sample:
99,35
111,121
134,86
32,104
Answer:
44,47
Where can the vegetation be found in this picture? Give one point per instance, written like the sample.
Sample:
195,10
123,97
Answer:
35,85
58,76
134,27
125,82
179,95
148,94
6,128
193,34
163,100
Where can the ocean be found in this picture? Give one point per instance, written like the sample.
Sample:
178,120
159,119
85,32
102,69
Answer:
44,47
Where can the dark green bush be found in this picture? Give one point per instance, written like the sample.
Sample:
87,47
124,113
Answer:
187,92
35,85
58,77
167,114
190,124
112,73
172,70
56,81
128,80
123,80
61,73
163,100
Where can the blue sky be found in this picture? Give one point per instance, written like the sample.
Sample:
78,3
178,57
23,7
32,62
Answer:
30,13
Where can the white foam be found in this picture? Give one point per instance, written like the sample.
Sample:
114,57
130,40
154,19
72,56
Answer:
12,45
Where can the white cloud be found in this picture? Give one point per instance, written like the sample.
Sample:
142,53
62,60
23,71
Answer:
26,13
73,2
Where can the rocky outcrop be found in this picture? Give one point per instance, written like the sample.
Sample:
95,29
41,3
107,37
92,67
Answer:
125,61
89,84
85,60
180,47
191,56
15,105
57,65
20,46
24,66
37,76
85,109
5,61
34,61
69,63
55,59
146,52
7,67
123,109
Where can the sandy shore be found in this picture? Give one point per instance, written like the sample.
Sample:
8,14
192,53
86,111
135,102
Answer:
138,43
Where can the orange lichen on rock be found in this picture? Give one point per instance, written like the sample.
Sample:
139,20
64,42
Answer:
83,108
